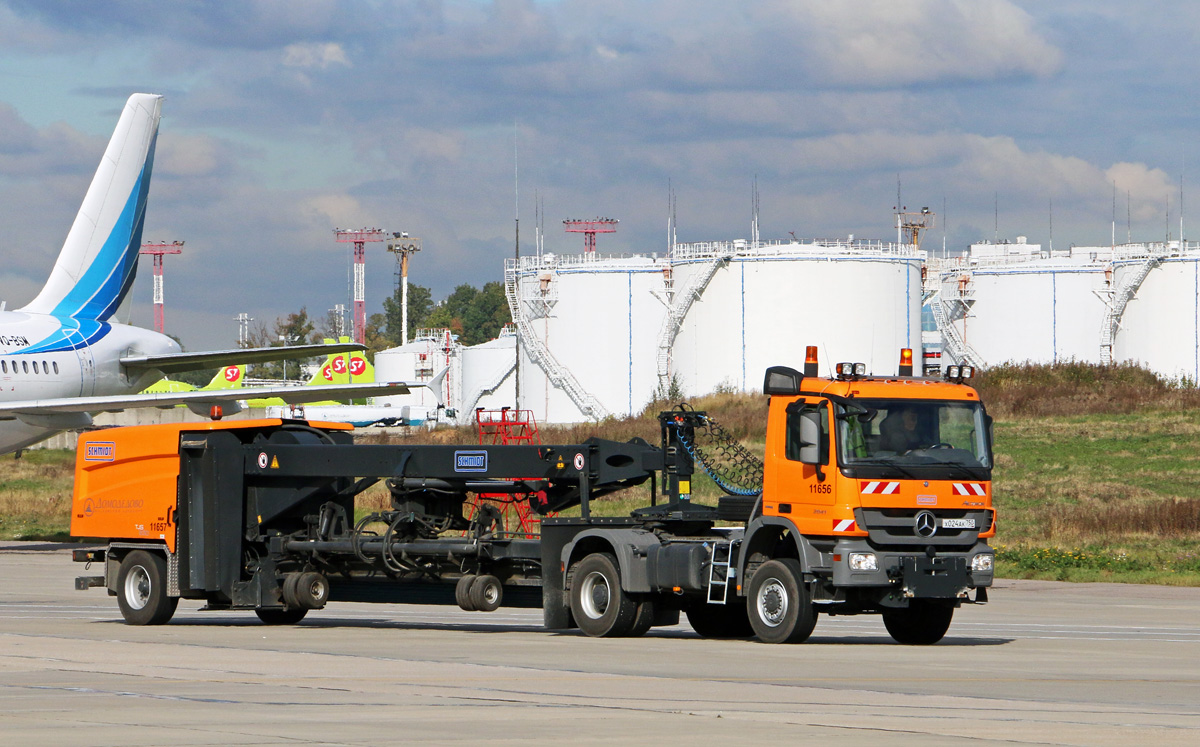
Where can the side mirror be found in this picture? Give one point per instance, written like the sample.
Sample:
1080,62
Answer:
810,437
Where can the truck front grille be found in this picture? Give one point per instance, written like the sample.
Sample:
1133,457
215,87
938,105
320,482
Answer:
898,526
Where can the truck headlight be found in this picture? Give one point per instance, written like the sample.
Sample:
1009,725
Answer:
982,562
863,561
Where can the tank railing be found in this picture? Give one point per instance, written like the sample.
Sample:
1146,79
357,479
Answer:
1114,309
489,385
953,342
560,377
781,248
535,263
681,302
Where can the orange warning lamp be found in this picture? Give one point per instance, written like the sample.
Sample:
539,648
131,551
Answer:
215,412
905,362
810,360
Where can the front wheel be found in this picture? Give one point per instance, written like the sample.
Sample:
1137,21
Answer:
142,589
778,604
600,607
922,623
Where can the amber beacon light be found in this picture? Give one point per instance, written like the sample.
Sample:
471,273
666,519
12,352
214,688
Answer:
810,360
905,362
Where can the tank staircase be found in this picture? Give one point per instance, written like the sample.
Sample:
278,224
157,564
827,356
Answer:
558,375
679,302
488,386
1115,301
958,348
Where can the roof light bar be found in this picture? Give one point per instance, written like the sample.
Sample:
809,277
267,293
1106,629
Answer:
851,370
958,373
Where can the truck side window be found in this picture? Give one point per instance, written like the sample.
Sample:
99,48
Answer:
792,442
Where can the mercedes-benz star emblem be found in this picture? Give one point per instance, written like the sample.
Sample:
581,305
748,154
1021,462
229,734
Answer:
926,524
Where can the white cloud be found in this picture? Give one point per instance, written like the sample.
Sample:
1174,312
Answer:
888,43
315,55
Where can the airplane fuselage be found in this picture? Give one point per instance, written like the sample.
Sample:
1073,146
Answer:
48,357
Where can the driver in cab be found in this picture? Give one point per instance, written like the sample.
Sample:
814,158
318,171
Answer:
900,431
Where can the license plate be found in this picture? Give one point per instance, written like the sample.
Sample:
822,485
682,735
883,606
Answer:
958,523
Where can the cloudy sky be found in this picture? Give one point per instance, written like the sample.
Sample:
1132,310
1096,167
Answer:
285,119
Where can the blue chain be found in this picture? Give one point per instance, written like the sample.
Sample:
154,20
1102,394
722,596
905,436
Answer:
720,481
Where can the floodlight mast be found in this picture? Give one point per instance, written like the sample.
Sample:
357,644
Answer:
158,250
589,229
359,237
403,246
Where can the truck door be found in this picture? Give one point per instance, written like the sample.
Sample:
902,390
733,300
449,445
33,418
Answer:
802,490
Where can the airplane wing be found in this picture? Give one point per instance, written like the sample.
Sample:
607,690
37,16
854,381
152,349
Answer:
177,362
73,412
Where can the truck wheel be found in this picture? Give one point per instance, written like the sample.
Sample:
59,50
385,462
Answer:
922,623
600,607
778,604
312,590
462,592
281,617
486,593
142,589
720,621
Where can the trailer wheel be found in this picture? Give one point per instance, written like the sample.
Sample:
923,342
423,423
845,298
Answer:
600,607
486,593
923,623
312,590
289,616
142,589
720,621
462,592
778,604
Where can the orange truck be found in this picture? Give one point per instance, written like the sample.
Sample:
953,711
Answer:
873,496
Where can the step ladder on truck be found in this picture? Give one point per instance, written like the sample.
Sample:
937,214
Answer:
873,497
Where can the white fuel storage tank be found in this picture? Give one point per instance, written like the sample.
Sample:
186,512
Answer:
1157,310
1031,306
587,327
759,304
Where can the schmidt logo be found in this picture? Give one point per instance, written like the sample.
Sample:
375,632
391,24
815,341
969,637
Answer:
100,451
470,461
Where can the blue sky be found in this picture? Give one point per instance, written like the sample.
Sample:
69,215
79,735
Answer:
284,120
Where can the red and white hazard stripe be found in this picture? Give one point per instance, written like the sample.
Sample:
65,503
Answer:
879,487
968,488
844,525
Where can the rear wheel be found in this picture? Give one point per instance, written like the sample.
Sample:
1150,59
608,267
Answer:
778,604
312,590
720,620
281,616
922,623
486,593
142,589
601,609
462,592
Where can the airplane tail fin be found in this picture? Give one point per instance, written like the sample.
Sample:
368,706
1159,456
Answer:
229,377
96,266
344,368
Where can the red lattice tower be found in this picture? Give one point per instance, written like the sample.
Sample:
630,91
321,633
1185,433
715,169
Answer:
158,251
589,229
504,427
359,237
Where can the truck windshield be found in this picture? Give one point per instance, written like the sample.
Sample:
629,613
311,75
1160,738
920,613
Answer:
908,435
